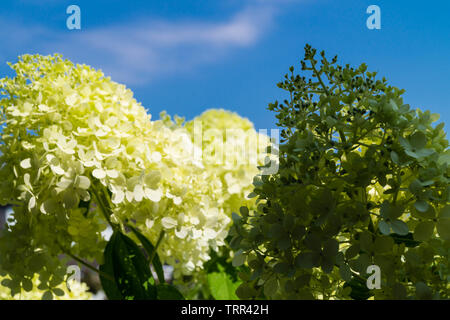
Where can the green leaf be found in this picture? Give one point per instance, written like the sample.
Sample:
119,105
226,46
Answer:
365,241
251,195
307,260
130,269
312,241
331,248
271,287
281,267
48,295
399,227
384,227
395,158
284,242
236,218
27,285
399,291
276,231
423,292
244,211
244,291
407,240
58,292
445,212
415,186
168,292
395,211
222,286
299,232
418,140
352,251
421,205
345,272
384,209
383,244
424,231
149,248
390,191
361,263
429,214
239,258
424,153
109,286
443,228
327,264
359,289
6,282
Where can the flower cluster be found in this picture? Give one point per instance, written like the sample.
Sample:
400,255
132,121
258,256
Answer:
224,144
232,162
363,180
78,152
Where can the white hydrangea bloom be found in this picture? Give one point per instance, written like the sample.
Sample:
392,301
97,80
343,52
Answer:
71,136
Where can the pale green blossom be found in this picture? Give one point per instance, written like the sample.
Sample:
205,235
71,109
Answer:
69,134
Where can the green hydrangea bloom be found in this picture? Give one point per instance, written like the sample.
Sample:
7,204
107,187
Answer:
363,180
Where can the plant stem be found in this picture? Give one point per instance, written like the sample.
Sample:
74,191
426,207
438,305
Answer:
87,265
104,209
108,199
161,235
394,201
313,65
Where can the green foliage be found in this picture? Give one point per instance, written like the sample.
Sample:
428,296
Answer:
153,256
223,276
168,292
363,180
126,273
219,279
126,264
359,290
222,286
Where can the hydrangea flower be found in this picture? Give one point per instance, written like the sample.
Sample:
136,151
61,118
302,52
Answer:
74,143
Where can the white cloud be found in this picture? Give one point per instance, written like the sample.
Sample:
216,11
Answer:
137,52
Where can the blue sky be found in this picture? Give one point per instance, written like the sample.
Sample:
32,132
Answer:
187,56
